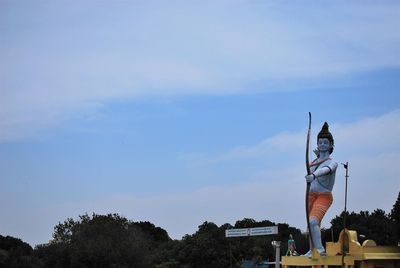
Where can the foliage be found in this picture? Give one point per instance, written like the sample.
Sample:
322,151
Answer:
113,241
395,217
16,253
102,241
206,248
376,226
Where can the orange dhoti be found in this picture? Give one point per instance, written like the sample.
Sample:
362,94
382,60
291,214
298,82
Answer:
318,204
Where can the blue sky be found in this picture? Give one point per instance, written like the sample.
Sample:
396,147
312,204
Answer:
182,112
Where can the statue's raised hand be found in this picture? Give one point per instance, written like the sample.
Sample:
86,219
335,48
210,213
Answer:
310,178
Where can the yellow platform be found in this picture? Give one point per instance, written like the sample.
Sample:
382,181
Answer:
348,252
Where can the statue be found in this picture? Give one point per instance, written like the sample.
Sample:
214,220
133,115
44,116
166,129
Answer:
291,247
320,180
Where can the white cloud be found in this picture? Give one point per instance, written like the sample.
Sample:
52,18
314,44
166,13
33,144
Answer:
57,60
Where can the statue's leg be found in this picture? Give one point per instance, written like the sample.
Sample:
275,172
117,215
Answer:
311,200
321,205
316,235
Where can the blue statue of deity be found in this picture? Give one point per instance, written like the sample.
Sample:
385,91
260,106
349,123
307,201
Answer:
291,247
321,179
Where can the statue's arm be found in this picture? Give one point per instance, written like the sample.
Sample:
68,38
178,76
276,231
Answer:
326,169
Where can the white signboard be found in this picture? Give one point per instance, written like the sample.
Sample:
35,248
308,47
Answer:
251,231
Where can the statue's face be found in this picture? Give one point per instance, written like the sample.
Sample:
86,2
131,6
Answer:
324,144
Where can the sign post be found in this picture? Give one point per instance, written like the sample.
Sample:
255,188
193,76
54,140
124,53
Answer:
270,230
277,246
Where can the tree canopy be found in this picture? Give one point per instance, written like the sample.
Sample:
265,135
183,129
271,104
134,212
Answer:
113,241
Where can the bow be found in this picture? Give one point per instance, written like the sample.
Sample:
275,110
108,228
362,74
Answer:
308,173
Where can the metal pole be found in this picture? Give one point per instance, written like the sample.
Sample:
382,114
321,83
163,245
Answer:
277,253
230,254
346,166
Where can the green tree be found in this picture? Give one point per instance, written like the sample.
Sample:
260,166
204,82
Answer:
395,217
15,253
208,247
395,212
376,226
102,241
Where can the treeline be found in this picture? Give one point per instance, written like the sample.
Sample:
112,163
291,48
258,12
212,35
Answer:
114,241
